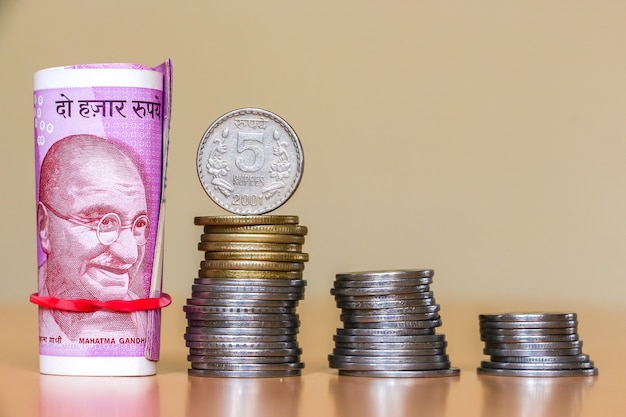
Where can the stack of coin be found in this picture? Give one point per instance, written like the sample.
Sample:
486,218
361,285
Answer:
389,320
533,344
241,316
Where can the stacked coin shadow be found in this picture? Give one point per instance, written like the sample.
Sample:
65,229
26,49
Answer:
533,345
241,317
389,321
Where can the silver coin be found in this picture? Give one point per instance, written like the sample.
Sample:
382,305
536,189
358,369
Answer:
402,374
527,317
248,366
535,346
241,359
250,161
386,304
242,351
529,339
389,352
383,298
385,332
243,374
536,366
247,295
420,366
419,338
529,332
383,360
209,340
379,290
237,310
248,317
541,359
249,331
243,324
539,373
528,324
246,289
248,282
532,352
433,308
241,302
236,348
385,318
414,324
410,282
385,275
390,346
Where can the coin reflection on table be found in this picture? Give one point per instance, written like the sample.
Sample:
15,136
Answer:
71,396
398,397
243,397
533,396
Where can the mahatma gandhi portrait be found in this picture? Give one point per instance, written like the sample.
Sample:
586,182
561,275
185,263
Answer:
92,224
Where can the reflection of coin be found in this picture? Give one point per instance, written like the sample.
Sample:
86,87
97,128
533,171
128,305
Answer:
250,161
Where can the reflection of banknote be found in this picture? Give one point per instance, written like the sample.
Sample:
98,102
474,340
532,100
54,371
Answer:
101,136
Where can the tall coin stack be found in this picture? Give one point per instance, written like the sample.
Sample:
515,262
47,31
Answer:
242,319
533,344
241,316
389,320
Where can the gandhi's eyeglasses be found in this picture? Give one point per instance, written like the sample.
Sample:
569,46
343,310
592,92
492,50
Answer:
109,227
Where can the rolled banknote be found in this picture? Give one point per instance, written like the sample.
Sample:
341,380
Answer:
101,141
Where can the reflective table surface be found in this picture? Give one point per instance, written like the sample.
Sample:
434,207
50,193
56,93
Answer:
319,391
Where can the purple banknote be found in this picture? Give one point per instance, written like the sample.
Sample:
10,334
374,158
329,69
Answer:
101,141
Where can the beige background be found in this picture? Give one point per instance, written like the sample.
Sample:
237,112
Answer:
483,139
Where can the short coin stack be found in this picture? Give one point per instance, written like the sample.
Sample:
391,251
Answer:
389,320
241,316
533,344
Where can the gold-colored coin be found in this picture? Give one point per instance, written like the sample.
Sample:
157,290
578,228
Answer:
249,246
282,229
244,220
239,273
251,237
252,265
259,256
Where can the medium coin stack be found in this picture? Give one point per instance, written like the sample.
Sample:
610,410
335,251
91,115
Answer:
389,320
241,316
533,344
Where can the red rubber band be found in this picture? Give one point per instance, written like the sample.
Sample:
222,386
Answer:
83,305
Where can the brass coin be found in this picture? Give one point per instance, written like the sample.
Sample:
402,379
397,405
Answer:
249,247
244,220
283,229
252,237
259,256
252,265
238,273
